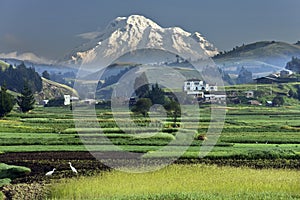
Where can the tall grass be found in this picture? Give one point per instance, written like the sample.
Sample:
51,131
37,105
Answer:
183,182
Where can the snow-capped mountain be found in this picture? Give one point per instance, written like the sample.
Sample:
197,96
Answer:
126,34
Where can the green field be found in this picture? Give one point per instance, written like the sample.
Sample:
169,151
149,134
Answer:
248,132
183,182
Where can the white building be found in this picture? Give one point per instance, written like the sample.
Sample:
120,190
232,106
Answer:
215,98
249,94
197,87
90,101
67,100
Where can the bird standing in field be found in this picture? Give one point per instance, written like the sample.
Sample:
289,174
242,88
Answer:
50,172
73,168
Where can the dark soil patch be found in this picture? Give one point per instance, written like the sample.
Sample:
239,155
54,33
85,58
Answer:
42,162
34,185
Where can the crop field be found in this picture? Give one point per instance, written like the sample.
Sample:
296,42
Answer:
246,130
255,140
183,182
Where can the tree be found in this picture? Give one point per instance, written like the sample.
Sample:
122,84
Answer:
26,100
142,106
46,75
174,110
6,101
157,95
177,58
141,86
294,65
292,94
244,76
278,101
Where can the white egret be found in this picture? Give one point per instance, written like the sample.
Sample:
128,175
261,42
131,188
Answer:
73,168
50,172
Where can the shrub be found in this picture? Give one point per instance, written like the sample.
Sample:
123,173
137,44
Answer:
11,171
4,181
6,102
201,137
278,101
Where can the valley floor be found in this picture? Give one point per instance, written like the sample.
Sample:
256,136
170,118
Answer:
256,142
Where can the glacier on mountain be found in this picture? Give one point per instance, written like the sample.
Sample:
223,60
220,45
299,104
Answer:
126,34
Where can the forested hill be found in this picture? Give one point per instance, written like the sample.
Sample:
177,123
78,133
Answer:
15,77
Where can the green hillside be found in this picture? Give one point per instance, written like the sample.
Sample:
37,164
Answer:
261,58
265,92
262,49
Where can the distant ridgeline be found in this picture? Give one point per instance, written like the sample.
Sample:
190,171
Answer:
15,77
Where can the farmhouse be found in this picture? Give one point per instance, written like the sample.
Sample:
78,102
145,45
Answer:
203,91
254,102
214,98
285,76
285,73
198,87
266,80
249,94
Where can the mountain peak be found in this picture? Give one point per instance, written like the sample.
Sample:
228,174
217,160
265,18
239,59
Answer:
140,20
125,34
132,20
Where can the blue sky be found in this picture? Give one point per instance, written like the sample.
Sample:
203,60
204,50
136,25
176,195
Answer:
50,28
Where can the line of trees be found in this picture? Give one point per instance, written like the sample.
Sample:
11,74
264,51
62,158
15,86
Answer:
25,101
20,79
15,77
150,95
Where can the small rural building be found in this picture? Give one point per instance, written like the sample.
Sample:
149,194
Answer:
132,101
283,77
269,103
254,102
67,100
44,102
285,73
90,101
74,99
249,94
266,80
215,98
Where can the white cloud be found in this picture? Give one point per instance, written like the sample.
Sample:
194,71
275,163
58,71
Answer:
89,35
28,56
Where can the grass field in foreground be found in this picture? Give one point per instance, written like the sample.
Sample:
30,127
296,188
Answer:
183,182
